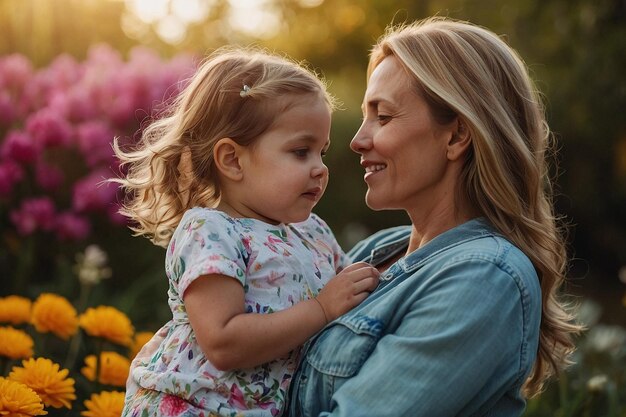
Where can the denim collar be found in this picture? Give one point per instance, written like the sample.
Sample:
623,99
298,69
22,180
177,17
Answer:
470,230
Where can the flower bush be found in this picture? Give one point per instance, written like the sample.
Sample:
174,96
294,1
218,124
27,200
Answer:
57,125
61,358
59,351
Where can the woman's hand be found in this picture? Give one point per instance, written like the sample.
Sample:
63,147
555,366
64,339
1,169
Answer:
347,290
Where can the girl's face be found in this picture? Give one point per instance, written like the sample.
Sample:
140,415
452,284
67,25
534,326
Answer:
402,148
283,172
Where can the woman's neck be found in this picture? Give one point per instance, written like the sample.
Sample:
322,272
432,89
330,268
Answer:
427,227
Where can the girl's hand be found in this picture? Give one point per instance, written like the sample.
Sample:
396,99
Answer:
347,290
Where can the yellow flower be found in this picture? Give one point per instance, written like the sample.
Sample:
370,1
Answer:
44,377
105,404
114,368
108,323
15,344
139,340
53,313
14,309
17,400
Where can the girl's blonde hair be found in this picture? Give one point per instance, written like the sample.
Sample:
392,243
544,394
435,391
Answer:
468,72
236,93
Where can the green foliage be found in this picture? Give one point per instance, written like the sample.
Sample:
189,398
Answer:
593,386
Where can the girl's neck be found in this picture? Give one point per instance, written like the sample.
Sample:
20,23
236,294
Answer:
242,212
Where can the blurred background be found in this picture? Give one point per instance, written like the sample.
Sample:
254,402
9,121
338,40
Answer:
76,73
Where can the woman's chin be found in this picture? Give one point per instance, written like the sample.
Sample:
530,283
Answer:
374,203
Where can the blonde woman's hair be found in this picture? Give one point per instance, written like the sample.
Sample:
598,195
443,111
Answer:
465,71
236,93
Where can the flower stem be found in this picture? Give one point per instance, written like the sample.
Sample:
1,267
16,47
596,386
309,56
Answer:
5,365
99,348
72,353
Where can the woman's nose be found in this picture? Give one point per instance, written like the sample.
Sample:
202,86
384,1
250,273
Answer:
362,140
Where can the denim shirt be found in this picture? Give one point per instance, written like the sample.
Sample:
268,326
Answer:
451,330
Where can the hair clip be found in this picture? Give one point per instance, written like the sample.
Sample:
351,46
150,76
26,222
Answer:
245,90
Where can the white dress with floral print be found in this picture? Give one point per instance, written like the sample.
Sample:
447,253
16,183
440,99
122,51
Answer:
278,266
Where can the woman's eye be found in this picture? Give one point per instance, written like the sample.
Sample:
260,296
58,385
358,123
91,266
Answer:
383,118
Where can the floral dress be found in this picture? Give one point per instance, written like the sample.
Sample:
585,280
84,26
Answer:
278,266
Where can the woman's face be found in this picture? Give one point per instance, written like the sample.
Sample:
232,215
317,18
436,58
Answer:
402,148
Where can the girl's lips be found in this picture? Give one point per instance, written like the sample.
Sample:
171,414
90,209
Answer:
313,194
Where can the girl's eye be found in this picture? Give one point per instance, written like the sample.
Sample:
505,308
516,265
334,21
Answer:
324,152
301,153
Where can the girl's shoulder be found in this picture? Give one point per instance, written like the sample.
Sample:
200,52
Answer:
206,218
313,226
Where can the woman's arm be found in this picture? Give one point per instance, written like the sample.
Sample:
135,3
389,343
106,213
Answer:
230,338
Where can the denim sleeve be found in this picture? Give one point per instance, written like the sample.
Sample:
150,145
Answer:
464,337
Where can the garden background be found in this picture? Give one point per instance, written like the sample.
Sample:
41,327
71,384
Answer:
76,73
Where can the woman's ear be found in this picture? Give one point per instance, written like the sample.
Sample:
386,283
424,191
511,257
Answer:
226,153
459,142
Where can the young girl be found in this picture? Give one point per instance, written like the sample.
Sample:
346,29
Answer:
227,180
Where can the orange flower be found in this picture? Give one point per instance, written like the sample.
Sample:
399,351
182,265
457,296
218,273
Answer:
15,310
15,344
105,404
17,400
114,368
53,313
45,378
139,340
108,323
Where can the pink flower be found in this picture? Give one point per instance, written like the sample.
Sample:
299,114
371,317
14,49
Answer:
34,214
19,146
74,105
10,174
92,193
48,128
70,226
172,405
63,73
122,109
15,72
94,141
236,398
48,177
7,109
114,216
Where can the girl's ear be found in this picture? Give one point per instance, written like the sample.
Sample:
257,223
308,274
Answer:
459,142
226,153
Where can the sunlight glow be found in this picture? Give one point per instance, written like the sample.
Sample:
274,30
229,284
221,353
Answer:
254,17
149,11
171,18
191,11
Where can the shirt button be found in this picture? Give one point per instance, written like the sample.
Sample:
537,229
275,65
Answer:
386,277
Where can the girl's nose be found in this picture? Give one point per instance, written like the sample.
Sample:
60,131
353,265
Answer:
319,170
361,141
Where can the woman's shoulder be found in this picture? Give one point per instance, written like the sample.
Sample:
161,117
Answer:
494,252
493,248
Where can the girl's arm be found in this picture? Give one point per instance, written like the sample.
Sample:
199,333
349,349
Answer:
230,338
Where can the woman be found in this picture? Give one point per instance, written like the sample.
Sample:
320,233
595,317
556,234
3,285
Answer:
465,320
